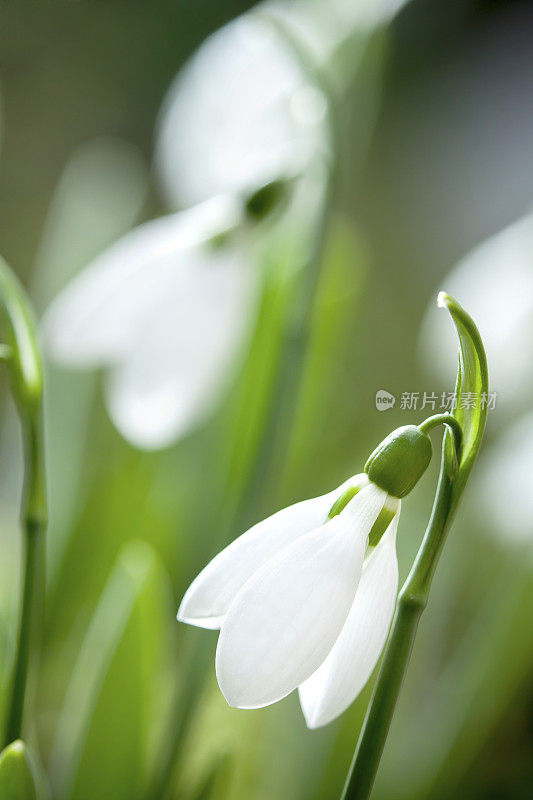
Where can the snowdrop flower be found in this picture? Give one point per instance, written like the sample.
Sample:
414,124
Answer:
496,283
164,310
243,111
240,113
305,598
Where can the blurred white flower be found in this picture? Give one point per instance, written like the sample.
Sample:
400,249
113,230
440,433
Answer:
240,113
502,486
495,282
302,600
165,309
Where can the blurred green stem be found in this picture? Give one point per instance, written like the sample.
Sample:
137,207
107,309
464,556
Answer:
34,523
274,438
25,371
275,429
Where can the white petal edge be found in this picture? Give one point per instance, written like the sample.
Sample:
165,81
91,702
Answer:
286,618
209,596
351,661
93,320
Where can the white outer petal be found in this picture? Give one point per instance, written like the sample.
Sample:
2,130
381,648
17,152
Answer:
209,596
286,618
351,661
98,315
180,362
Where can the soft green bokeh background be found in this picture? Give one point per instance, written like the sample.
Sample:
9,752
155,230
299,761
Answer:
449,163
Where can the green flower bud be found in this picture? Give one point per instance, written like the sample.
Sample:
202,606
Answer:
398,463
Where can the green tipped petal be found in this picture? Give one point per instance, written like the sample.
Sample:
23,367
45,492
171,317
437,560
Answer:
386,515
357,483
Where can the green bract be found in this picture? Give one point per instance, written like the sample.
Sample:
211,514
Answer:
398,463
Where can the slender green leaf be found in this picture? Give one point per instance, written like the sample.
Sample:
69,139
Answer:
106,731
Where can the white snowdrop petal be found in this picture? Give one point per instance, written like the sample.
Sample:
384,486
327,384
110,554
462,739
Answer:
286,618
180,362
211,593
167,310
94,319
339,679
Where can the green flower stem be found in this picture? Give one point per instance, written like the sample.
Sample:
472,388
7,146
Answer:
411,603
285,391
25,371
448,420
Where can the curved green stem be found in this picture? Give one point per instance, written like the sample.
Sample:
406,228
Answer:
24,364
451,422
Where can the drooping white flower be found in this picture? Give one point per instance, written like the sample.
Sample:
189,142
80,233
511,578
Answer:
239,114
164,310
303,600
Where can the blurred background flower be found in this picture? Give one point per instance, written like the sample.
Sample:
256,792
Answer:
241,113
435,130
165,308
